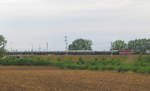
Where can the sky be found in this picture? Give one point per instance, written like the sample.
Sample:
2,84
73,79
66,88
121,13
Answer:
28,24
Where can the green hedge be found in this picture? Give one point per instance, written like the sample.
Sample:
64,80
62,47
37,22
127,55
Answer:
12,60
141,65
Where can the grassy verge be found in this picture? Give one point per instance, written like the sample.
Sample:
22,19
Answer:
140,64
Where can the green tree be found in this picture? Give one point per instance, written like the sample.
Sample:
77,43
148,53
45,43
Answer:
118,45
2,45
139,45
81,44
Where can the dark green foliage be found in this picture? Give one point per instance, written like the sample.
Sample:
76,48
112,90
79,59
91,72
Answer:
80,61
141,65
93,67
12,60
58,63
139,45
9,61
118,45
81,44
2,45
143,61
123,68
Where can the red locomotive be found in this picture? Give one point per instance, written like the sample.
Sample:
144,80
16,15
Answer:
126,52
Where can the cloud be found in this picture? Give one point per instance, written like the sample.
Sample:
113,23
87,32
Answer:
37,8
27,22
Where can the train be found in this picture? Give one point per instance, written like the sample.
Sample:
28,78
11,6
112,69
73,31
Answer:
79,52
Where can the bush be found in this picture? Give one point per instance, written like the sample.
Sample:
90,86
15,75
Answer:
141,65
93,67
80,61
12,60
123,68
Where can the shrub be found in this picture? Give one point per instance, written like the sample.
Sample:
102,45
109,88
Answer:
12,60
80,61
123,68
93,67
141,65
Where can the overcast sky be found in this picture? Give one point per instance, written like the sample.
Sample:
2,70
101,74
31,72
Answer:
27,23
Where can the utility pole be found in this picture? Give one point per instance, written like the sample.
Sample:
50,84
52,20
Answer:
32,49
39,48
47,46
66,42
111,49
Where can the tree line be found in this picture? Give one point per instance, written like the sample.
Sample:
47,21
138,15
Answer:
3,42
138,45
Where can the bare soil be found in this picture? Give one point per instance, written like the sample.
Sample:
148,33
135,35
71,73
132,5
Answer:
25,78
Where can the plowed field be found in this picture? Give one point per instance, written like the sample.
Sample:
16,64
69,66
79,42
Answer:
15,78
